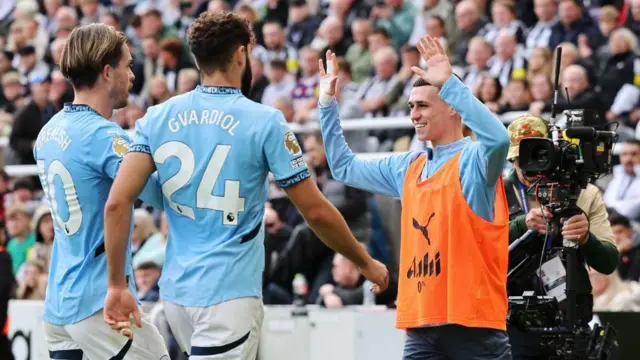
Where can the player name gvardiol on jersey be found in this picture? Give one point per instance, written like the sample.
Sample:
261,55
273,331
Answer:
205,117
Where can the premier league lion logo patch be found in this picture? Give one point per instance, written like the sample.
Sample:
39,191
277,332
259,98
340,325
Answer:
120,146
291,143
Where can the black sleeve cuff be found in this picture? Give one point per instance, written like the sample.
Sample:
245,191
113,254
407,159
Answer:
292,180
140,148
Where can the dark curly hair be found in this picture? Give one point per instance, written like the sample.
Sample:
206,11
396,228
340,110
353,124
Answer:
214,37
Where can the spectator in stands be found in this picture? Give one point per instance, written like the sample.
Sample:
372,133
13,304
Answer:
540,34
23,192
541,93
32,118
50,8
582,95
439,8
623,192
610,293
13,92
151,25
133,112
66,18
91,11
378,39
280,84
305,93
359,55
372,93
302,25
331,36
259,81
158,91
628,244
171,53
60,91
478,56
147,244
489,92
21,238
350,11
276,239
153,64
284,104
516,97
34,283
508,61
618,68
540,63
347,287
633,18
397,98
247,11
146,276
188,79
111,19
470,25
397,17
42,226
29,65
573,23
503,13
275,46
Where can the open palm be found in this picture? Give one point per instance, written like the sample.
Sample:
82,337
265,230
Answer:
438,66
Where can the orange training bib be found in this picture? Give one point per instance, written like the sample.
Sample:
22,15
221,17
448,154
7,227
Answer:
453,263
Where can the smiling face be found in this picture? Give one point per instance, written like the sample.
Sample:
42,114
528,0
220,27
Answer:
429,113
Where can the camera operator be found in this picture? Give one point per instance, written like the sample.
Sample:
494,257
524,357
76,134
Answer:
590,230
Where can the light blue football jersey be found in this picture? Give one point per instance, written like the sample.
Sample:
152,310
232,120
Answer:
78,153
213,150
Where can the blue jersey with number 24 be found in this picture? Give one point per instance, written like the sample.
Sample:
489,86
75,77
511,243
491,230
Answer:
78,153
213,149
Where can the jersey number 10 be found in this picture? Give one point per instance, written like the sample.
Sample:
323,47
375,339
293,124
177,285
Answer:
57,168
230,203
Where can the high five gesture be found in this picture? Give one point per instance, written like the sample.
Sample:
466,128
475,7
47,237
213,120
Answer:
438,66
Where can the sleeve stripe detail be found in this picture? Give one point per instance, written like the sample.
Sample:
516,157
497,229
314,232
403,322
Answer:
140,148
292,180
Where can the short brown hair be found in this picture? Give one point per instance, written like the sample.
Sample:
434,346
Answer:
214,37
88,50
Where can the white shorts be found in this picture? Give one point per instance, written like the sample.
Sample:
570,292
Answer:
93,339
229,330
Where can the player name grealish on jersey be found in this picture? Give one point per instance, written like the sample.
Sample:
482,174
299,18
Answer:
57,134
206,117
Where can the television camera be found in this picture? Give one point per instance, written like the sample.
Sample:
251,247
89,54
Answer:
562,166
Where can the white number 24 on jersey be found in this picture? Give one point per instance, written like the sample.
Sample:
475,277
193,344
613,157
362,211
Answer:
230,203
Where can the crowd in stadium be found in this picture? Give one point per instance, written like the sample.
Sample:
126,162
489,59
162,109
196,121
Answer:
502,49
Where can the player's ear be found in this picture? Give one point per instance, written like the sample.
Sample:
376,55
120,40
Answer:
240,56
107,72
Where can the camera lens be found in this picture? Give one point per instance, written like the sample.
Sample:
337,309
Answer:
540,156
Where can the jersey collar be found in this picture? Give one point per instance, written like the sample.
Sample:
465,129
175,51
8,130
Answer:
70,108
221,90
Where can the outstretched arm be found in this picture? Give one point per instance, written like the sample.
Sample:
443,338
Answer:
491,133
383,176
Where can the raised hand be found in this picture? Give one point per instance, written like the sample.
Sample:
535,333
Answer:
329,78
438,66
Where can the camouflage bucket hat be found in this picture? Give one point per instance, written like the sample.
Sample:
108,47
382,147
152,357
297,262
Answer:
525,127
